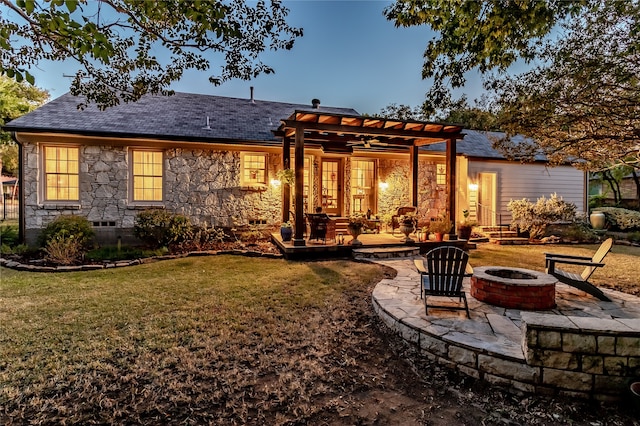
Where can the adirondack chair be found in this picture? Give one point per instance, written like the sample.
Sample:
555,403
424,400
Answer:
580,281
441,274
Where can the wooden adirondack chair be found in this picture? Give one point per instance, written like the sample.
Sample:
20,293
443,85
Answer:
580,281
441,274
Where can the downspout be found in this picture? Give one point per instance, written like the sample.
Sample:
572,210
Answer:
21,222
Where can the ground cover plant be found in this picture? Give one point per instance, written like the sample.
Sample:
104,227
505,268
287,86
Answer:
233,340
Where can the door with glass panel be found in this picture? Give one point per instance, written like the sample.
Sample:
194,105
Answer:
363,186
331,187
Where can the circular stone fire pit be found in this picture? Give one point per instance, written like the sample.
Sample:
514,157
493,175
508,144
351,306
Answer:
514,288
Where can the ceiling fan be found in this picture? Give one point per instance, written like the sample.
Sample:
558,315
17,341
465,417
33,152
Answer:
367,142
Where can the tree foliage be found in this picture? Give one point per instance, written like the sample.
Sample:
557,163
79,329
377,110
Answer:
583,104
16,99
483,35
126,48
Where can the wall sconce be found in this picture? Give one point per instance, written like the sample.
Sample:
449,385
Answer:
383,185
473,186
275,182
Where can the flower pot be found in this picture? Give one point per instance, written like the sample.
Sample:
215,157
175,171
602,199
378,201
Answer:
355,232
597,220
286,233
406,230
439,236
464,232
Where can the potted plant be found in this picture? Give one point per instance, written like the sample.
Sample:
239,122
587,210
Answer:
465,227
440,226
355,227
286,230
408,224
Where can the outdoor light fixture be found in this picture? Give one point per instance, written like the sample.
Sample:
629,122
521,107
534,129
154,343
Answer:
383,185
275,182
473,186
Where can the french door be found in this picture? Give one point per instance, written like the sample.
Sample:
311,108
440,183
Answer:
331,187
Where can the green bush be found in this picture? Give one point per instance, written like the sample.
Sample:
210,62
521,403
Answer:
535,217
9,235
66,226
160,228
619,219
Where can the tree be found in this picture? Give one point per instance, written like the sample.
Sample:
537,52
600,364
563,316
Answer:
16,99
127,48
484,35
583,104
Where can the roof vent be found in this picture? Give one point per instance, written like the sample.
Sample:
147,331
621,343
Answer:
315,103
252,100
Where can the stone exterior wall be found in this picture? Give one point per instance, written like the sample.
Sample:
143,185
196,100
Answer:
432,198
201,184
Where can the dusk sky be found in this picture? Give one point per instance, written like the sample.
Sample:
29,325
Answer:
349,56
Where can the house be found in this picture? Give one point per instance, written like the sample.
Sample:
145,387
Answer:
216,159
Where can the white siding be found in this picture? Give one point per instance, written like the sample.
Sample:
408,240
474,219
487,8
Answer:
516,181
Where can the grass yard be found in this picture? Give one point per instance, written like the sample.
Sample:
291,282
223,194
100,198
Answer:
235,340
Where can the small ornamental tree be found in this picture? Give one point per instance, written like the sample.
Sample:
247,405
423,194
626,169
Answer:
534,217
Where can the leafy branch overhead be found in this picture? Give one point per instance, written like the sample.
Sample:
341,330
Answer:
127,48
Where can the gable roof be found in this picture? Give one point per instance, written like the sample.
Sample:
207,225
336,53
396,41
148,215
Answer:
182,116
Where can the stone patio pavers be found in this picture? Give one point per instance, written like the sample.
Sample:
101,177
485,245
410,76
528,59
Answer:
490,343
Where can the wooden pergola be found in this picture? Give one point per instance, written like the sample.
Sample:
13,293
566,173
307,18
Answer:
336,133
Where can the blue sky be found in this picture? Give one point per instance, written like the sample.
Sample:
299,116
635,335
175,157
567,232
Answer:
349,56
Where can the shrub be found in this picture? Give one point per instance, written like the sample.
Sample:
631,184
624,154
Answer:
9,235
64,249
634,237
66,226
160,228
121,253
621,219
534,217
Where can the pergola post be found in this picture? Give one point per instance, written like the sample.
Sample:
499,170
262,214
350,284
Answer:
298,238
413,155
451,181
286,188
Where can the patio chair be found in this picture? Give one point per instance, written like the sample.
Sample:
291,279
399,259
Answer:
580,281
441,275
321,227
395,219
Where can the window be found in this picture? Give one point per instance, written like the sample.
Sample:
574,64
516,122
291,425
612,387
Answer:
147,175
61,173
254,169
363,185
441,174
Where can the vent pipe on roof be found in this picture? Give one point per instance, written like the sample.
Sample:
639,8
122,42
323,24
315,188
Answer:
315,103
252,100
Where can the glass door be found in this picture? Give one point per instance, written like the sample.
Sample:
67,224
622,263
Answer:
331,187
363,186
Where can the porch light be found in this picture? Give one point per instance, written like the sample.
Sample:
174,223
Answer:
383,186
473,186
275,182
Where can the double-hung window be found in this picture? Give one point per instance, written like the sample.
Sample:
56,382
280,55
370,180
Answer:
254,169
147,175
61,173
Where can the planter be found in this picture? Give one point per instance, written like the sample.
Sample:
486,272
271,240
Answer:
355,232
439,236
286,233
597,220
464,232
406,230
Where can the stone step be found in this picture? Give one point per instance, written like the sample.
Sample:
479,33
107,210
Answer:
501,234
509,241
385,252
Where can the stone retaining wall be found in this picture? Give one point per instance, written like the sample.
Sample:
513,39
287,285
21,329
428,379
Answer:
586,358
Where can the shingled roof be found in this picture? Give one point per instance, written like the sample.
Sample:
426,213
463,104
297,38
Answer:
182,116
